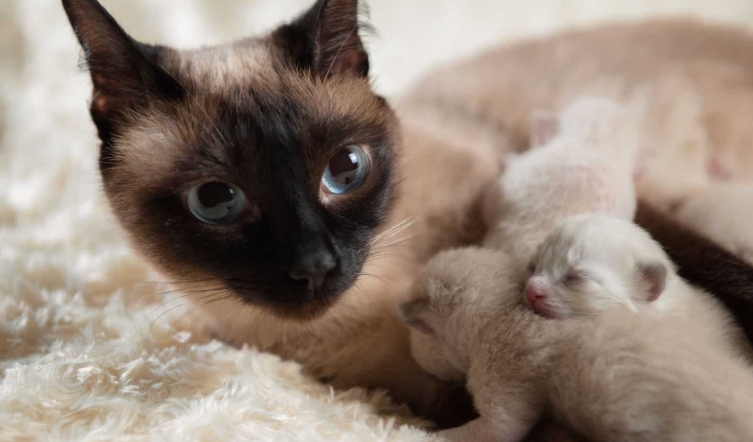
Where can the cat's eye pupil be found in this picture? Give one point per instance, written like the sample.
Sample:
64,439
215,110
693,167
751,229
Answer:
214,194
216,202
346,170
344,166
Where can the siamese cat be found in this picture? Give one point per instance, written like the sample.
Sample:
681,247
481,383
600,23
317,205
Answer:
267,171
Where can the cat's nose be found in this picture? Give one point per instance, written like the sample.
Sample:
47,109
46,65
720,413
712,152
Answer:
535,293
313,268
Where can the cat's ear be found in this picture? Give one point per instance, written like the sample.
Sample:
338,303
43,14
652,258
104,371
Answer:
544,127
654,277
123,71
414,314
327,38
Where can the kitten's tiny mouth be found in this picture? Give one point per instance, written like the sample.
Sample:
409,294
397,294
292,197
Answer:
542,309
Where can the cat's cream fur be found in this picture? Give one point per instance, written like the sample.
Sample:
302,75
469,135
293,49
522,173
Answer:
460,121
592,263
455,129
724,213
586,163
613,376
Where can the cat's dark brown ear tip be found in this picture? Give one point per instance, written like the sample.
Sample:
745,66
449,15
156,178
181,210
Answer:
123,76
90,21
337,41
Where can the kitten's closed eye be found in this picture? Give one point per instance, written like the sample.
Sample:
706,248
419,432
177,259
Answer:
572,277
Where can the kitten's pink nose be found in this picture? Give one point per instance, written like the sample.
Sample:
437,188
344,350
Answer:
534,293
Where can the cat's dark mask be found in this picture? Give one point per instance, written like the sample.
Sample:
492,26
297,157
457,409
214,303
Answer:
264,165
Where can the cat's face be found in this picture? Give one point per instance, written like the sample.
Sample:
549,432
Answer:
262,167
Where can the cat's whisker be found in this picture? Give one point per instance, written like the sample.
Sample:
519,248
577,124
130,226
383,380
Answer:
185,295
197,307
398,241
197,302
151,324
364,293
186,281
186,292
380,278
381,255
389,233
394,230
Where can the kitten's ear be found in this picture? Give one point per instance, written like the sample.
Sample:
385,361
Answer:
123,71
544,127
413,314
327,39
654,275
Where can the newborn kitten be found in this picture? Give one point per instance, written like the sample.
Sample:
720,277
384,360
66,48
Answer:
592,263
612,377
583,160
723,213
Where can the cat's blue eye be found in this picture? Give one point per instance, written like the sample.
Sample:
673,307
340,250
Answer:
346,170
216,202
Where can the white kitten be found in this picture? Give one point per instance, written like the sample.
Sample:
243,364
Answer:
582,160
615,376
591,263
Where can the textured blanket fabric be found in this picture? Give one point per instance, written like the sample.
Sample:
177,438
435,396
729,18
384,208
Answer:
91,346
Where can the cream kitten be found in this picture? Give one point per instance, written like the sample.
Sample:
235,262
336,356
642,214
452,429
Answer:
592,263
583,160
613,376
723,212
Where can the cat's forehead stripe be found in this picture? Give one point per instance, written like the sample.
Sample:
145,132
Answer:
216,69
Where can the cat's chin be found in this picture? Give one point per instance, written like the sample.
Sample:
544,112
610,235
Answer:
308,311
293,303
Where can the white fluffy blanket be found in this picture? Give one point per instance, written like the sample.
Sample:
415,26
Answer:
90,347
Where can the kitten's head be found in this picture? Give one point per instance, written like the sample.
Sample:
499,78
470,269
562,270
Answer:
263,166
590,263
452,298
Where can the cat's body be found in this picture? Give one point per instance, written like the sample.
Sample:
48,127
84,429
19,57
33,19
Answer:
696,78
612,376
456,128
585,163
439,149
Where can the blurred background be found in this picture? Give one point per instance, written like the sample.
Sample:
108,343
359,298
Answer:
412,34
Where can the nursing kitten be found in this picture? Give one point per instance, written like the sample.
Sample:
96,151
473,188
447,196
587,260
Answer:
724,213
614,376
585,161
251,169
593,263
